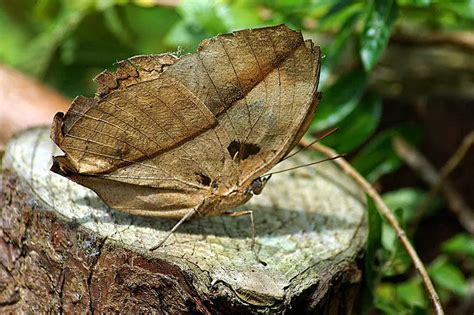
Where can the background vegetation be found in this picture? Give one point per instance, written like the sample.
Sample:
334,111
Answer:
66,43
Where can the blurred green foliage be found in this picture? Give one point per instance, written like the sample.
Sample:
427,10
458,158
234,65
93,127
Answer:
66,43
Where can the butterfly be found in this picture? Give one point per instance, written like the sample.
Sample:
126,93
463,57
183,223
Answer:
177,137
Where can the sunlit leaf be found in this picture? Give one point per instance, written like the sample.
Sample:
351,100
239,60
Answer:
239,15
374,37
203,14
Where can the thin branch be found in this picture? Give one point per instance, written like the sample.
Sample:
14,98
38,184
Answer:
458,156
462,40
388,215
438,181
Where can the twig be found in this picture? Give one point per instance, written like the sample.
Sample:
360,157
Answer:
437,181
388,215
458,156
463,40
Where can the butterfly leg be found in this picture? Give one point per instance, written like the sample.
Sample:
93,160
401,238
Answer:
183,219
249,213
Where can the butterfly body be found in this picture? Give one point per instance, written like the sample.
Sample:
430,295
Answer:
165,135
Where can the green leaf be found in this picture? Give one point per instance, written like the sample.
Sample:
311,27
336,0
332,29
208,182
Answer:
423,3
203,14
357,126
239,15
338,15
185,36
448,276
411,293
401,298
463,8
386,299
408,199
396,258
419,3
337,7
115,25
149,27
374,37
40,51
378,157
373,243
14,41
333,52
203,19
462,244
339,100
370,260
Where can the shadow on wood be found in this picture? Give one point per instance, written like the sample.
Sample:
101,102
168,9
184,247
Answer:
63,250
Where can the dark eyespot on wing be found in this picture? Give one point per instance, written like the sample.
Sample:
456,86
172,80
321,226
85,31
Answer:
241,150
248,149
233,148
204,179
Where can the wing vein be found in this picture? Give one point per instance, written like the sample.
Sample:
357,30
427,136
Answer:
120,159
164,130
217,92
238,79
140,163
266,91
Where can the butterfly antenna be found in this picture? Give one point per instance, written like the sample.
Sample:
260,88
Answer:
304,165
186,217
325,135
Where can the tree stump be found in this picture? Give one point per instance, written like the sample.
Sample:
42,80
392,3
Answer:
63,250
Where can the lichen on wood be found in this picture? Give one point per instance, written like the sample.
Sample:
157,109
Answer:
310,223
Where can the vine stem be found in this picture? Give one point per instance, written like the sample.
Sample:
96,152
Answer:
389,217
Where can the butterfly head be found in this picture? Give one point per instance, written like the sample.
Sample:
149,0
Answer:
257,185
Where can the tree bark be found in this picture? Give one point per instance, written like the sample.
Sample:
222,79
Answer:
62,250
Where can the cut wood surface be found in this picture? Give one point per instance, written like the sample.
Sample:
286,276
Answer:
63,250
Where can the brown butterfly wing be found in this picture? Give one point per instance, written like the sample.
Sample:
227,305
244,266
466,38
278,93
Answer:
154,142
281,106
261,85
111,140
